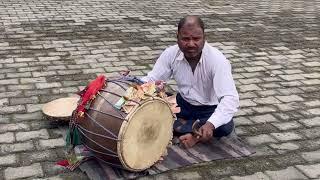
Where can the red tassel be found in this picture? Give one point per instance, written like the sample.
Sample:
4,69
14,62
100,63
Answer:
90,91
63,163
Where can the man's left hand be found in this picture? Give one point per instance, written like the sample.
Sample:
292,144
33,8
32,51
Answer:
206,131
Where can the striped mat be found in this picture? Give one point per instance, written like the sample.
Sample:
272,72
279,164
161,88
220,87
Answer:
224,148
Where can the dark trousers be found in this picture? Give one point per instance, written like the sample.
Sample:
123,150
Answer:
191,113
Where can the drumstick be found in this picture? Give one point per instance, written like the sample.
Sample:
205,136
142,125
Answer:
195,128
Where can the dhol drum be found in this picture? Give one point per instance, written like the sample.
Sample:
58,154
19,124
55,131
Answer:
134,139
60,109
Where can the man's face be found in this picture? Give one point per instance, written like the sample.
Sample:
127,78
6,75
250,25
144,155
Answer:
191,41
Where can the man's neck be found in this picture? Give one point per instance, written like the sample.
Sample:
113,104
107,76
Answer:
194,61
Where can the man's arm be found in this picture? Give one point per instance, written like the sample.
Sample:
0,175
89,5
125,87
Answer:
227,94
162,68
228,98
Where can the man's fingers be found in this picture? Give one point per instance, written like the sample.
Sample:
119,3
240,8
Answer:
201,131
182,138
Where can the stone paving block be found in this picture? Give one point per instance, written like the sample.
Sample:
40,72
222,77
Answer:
23,136
17,101
255,176
18,75
4,102
312,103
242,121
267,100
47,85
312,171
69,72
284,147
13,127
311,133
311,122
289,173
315,111
49,58
65,90
288,106
260,139
34,107
286,136
8,160
287,125
264,109
290,98
187,175
7,137
246,103
311,156
17,147
52,143
311,82
34,170
8,81
251,87
291,77
33,80
27,116
12,109
311,75
267,118
311,64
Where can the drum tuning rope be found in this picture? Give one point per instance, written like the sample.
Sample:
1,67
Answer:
100,125
111,104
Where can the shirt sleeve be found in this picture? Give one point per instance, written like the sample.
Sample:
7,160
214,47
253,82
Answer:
162,68
226,92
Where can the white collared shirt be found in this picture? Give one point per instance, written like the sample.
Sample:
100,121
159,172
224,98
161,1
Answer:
210,84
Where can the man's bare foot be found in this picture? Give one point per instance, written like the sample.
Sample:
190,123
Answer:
188,140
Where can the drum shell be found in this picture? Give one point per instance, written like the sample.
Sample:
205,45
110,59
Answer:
97,122
103,126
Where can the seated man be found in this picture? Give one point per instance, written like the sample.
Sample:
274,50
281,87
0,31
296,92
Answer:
206,89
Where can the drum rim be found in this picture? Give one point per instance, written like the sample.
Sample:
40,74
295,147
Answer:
125,125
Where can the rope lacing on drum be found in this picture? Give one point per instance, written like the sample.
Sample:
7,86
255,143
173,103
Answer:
101,125
101,135
120,118
113,153
111,105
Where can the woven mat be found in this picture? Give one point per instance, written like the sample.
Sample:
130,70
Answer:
224,148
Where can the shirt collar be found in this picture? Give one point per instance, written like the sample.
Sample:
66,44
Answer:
180,55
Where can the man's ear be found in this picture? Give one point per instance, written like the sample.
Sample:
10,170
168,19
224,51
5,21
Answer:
177,35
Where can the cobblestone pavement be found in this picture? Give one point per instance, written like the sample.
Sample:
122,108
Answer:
51,48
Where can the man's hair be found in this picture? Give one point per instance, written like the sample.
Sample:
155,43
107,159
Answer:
184,19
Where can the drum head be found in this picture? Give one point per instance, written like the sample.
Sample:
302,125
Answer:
60,108
146,135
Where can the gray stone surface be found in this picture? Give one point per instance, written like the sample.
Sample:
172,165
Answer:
51,49
289,173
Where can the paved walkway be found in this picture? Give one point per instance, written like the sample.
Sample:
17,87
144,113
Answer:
51,48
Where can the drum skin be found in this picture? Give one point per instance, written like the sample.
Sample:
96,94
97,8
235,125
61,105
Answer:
103,126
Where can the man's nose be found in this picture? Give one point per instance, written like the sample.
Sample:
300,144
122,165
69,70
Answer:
191,43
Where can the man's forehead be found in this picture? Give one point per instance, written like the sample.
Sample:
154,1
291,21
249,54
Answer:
191,23
192,28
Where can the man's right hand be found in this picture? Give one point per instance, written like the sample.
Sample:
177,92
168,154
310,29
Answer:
206,131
